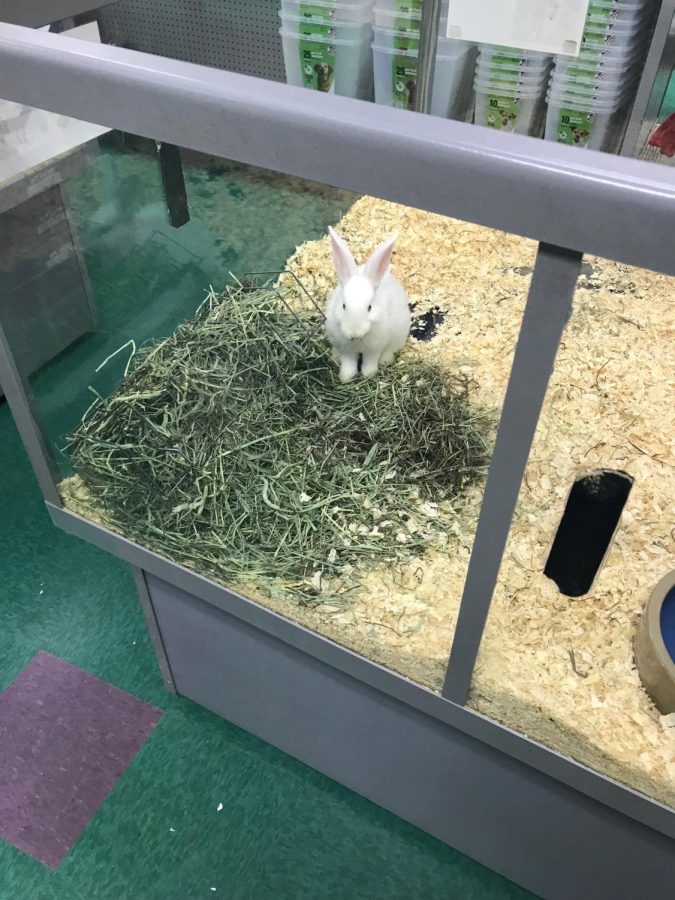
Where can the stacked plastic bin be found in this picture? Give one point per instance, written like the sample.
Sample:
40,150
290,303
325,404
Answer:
510,86
395,56
327,45
589,95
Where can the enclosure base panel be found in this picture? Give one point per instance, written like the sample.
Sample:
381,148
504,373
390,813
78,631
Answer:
522,823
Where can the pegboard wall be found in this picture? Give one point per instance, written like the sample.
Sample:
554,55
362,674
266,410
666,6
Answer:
238,35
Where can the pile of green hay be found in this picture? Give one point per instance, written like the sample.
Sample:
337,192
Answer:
232,447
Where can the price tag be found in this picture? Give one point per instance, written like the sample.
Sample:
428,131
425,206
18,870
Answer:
546,26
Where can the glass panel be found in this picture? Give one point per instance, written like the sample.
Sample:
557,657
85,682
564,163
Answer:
371,52
234,447
557,659
660,144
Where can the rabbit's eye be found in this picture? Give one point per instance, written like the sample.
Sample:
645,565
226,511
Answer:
344,306
369,308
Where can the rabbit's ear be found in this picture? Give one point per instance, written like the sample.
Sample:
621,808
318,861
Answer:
342,257
378,264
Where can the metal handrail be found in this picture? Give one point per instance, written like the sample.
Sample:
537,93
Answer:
590,202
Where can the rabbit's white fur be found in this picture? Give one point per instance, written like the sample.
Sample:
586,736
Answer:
368,311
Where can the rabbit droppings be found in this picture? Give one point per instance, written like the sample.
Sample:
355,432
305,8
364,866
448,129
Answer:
367,313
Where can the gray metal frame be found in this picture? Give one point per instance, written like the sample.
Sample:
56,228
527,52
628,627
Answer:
429,33
528,187
530,828
534,188
389,684
20,401
653,83
548,308
148,609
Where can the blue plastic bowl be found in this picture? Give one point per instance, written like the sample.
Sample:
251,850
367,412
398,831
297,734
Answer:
655,645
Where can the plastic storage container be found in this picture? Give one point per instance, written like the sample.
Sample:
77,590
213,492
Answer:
614,98
388,39
595,126
614,37
519,77
407,6
451,97
329,65
520,112
621,11
341,29
341,10
588,96
510,56
603,67
393,39
397,21
531,70
509,86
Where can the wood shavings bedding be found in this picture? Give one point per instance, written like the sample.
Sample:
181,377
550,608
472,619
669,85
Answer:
560,670
557,669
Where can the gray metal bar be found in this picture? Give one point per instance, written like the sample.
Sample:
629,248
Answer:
653,83
513,183
583,779
153,627
426,61
35,13
20,400
547,311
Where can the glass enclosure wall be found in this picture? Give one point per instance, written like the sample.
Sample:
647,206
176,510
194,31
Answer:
592,536
234,447
142,275
660,144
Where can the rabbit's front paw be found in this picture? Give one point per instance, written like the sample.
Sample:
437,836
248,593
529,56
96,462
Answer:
349,366
368,366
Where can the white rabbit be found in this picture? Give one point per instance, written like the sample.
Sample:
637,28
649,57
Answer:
367,313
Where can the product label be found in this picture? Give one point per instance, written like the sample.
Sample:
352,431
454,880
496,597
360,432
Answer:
593,55
310,10
586,92
602,13
325,30
502,112
404,82
599,39
408,6
510,59
318,66
514,62
511,80
406,42
575,127
585,74
411,25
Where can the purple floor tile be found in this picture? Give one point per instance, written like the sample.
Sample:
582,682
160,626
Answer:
65,739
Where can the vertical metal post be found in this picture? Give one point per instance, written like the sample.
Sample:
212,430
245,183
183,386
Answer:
20,400
653,82
173,182
426,61
153,628
547,311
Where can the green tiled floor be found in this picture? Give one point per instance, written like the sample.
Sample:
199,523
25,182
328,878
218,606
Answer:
284,830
